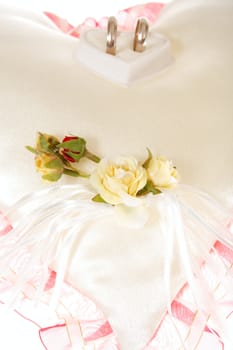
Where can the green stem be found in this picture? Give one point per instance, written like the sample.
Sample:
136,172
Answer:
71,171
83,174
92,156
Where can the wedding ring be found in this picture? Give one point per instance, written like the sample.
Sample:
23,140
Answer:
111,36
140,36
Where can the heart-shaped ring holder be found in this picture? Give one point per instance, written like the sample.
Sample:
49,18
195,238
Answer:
127,66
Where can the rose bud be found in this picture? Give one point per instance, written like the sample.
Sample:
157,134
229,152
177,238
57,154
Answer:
46,142
72,148
162,173
50,166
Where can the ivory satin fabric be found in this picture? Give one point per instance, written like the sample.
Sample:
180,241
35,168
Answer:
185,113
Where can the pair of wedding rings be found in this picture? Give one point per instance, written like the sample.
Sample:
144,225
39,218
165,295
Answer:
140,36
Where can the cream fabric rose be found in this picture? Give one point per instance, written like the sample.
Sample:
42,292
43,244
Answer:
162,173
119,179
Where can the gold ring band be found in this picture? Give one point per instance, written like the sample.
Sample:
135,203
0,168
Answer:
140,36
111,36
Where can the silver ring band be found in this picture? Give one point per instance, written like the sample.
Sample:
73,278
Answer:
140,36
111,36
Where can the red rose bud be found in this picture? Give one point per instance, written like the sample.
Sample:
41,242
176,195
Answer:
67,157
72,148
68,138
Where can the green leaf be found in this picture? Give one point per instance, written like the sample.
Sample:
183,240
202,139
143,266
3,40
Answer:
149,188
52,177
155,190
71,172
143,191
77,145
150,156
32,149
54,164
44,144
75,156
98,199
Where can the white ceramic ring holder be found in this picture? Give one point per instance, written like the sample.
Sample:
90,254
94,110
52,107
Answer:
128,66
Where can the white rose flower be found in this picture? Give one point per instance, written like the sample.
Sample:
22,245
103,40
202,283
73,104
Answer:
118,180
162,173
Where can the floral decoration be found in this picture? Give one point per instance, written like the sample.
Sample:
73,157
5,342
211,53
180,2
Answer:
126,19
54,158
115,180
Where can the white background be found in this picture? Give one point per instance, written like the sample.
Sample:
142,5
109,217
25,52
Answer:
76,11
